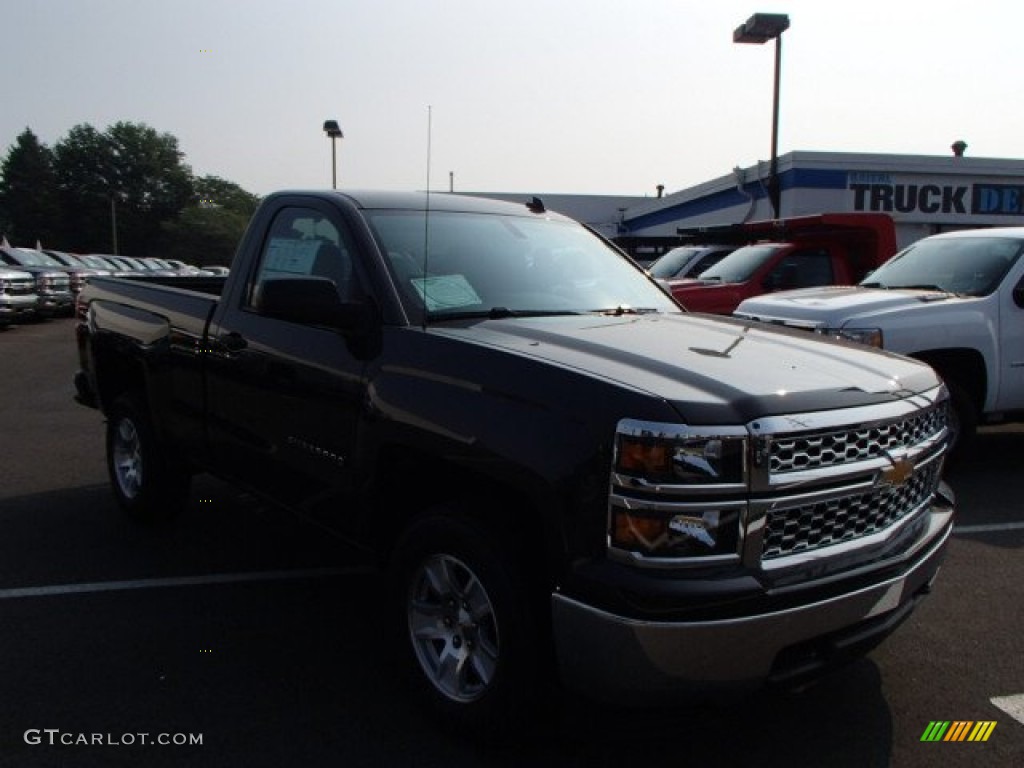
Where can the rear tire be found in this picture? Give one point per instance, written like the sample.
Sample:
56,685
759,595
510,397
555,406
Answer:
147,483
467,625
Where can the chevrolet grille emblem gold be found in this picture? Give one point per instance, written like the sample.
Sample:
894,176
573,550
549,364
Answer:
898,474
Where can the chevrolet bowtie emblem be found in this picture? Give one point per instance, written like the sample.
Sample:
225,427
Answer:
897,475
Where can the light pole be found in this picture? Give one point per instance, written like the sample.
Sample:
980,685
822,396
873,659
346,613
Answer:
759,29
331,129
113,221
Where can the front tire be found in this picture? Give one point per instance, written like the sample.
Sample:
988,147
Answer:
147,483
468,625
963,422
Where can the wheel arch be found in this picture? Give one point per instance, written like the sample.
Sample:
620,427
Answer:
964,366
117,370
511,505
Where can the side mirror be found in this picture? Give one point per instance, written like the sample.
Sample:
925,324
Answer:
312,301
1018,294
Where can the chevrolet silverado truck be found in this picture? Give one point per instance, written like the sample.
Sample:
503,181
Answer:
954,301
52,284
784,254
568,477
18,299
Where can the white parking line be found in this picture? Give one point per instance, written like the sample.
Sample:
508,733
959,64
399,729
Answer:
988,528
1011,705
179,581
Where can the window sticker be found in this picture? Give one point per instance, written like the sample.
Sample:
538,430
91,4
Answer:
291,256
445,292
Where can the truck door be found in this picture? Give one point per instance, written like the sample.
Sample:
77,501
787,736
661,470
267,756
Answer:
284,398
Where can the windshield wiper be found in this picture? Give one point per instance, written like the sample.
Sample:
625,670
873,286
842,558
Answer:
921,287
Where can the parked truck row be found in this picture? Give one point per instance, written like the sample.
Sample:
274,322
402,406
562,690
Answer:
567,477
37,283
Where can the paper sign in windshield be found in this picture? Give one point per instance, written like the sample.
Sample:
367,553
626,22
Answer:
291,256
445,292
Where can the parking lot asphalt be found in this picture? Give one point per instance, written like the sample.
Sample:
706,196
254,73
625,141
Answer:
255,631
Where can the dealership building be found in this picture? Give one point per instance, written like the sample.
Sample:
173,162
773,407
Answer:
923,194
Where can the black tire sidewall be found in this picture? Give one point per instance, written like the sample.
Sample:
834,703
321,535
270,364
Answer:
962,408
164,486
516,678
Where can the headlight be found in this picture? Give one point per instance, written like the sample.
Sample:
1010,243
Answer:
681,459
872,337
691,534
678,492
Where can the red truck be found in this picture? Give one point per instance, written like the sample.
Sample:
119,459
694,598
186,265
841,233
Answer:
782,254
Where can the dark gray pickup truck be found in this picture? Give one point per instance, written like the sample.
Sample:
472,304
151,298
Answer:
569,477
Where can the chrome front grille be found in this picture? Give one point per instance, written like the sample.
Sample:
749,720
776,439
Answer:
811,526
20,287
820,491
55,283
812,450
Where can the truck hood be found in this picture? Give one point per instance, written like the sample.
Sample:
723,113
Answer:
712,370
831,307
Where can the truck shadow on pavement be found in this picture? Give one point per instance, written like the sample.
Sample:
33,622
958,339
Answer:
295,672
986,482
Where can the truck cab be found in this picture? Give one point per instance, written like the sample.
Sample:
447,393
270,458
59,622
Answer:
778,255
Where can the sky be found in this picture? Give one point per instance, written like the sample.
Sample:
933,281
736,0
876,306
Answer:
532,96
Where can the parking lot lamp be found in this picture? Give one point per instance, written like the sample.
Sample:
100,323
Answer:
331,129
759,29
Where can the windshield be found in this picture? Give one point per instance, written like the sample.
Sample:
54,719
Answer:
64,259
673,261
98,262
973,266
739,265
498,265
28,258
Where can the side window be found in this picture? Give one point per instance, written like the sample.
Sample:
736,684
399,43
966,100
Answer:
802,269
706,262
304,242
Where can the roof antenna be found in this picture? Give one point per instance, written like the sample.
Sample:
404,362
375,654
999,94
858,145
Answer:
426,217
536,205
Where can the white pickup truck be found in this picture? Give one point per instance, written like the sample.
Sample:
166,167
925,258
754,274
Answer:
955,301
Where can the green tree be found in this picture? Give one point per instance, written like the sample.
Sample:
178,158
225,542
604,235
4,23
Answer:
29,209
129,172
202,235
213,191
208,231
85,176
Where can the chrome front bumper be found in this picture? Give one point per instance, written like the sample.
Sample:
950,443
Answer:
632,661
